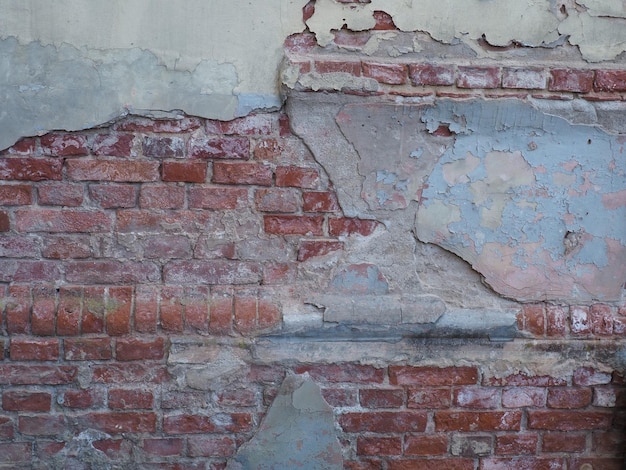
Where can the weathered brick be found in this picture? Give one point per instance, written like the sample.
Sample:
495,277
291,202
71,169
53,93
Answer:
19,247
269,313
277,200
568,420
433,376
112,196
300,42
36,375
379,446
568,397
119,422
161,196
30,169
530,463
312,248
199,424
146,309
293,225
129,221
94,306
349,39
16,452
130,399
609,442
5,221
113,144
36,271
62,221
34,349
388,73
587,376
381,398
212,272
135,372
237,397
601,319
60,194
184,172
164,447
117,170
323,201
252,124
42,425
577,81
217,198
163,147
81,399
521,379
477,397
43,311
556,321
434,75
519,397
384,21
25,400
429,398
516,444
236,148
524,78
118,313
351,373
167,246
211,446
564,442
221,311
478,77
609,397
24,146
610,80
64,145
112,272
384,421
464,421
135,349
171,309
432,464
585,463
7,431
297,177
340,397
350,226
534,319
424,444
167,126
16,195
331,66
245,311
242,173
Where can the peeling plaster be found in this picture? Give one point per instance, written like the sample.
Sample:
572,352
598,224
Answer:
74,65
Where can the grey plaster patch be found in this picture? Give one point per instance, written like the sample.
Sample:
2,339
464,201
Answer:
297,432
532,202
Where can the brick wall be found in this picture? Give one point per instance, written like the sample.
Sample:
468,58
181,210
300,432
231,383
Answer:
121,246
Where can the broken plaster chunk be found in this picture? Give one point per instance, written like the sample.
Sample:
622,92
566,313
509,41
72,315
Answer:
297,432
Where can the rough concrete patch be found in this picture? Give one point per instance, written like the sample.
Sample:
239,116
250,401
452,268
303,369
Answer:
297,432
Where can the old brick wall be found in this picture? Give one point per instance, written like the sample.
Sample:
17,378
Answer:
159,278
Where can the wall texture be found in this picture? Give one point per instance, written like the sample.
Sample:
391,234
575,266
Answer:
416,262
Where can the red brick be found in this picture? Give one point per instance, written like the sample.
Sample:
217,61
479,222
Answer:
297,177
477,397
569,398
161,196
117,373
66,221
48,449
568,420
577,81
277,200
67,247
119,304
146,309
241,397
586,376
81,399
197,300
609,442
87,349
381,398
351,373
135,399
199,424
25,400
30,169
112,196
211,446
119,422
267,149
113,145
300,42
519,397
60,194
16,195
329,66
135,349
36,375
64,145
278,273
534,319
242,173
384,421
19,247
15,452
391,74
236,148
522,380
221,311
293,225
524,78
269,313
7,431
112,272
5,221
433,376
478,77
116,170
516,444
610,80
24,146
556,321
340,397
464,421
34,349
164,447
163,147
212,272
323,201
526,463
245,318
312,248
349,39
348,226
44,311
185,172
601,319
37,271
252,124
435,75
563,442
431,464
426,444
171,309
429,398
94,304
379,446
217,198
42,425
384,21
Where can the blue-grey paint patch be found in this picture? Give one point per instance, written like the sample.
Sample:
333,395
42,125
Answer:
539,178
360,279
249,102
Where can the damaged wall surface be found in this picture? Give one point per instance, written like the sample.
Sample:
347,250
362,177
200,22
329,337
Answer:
331,234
